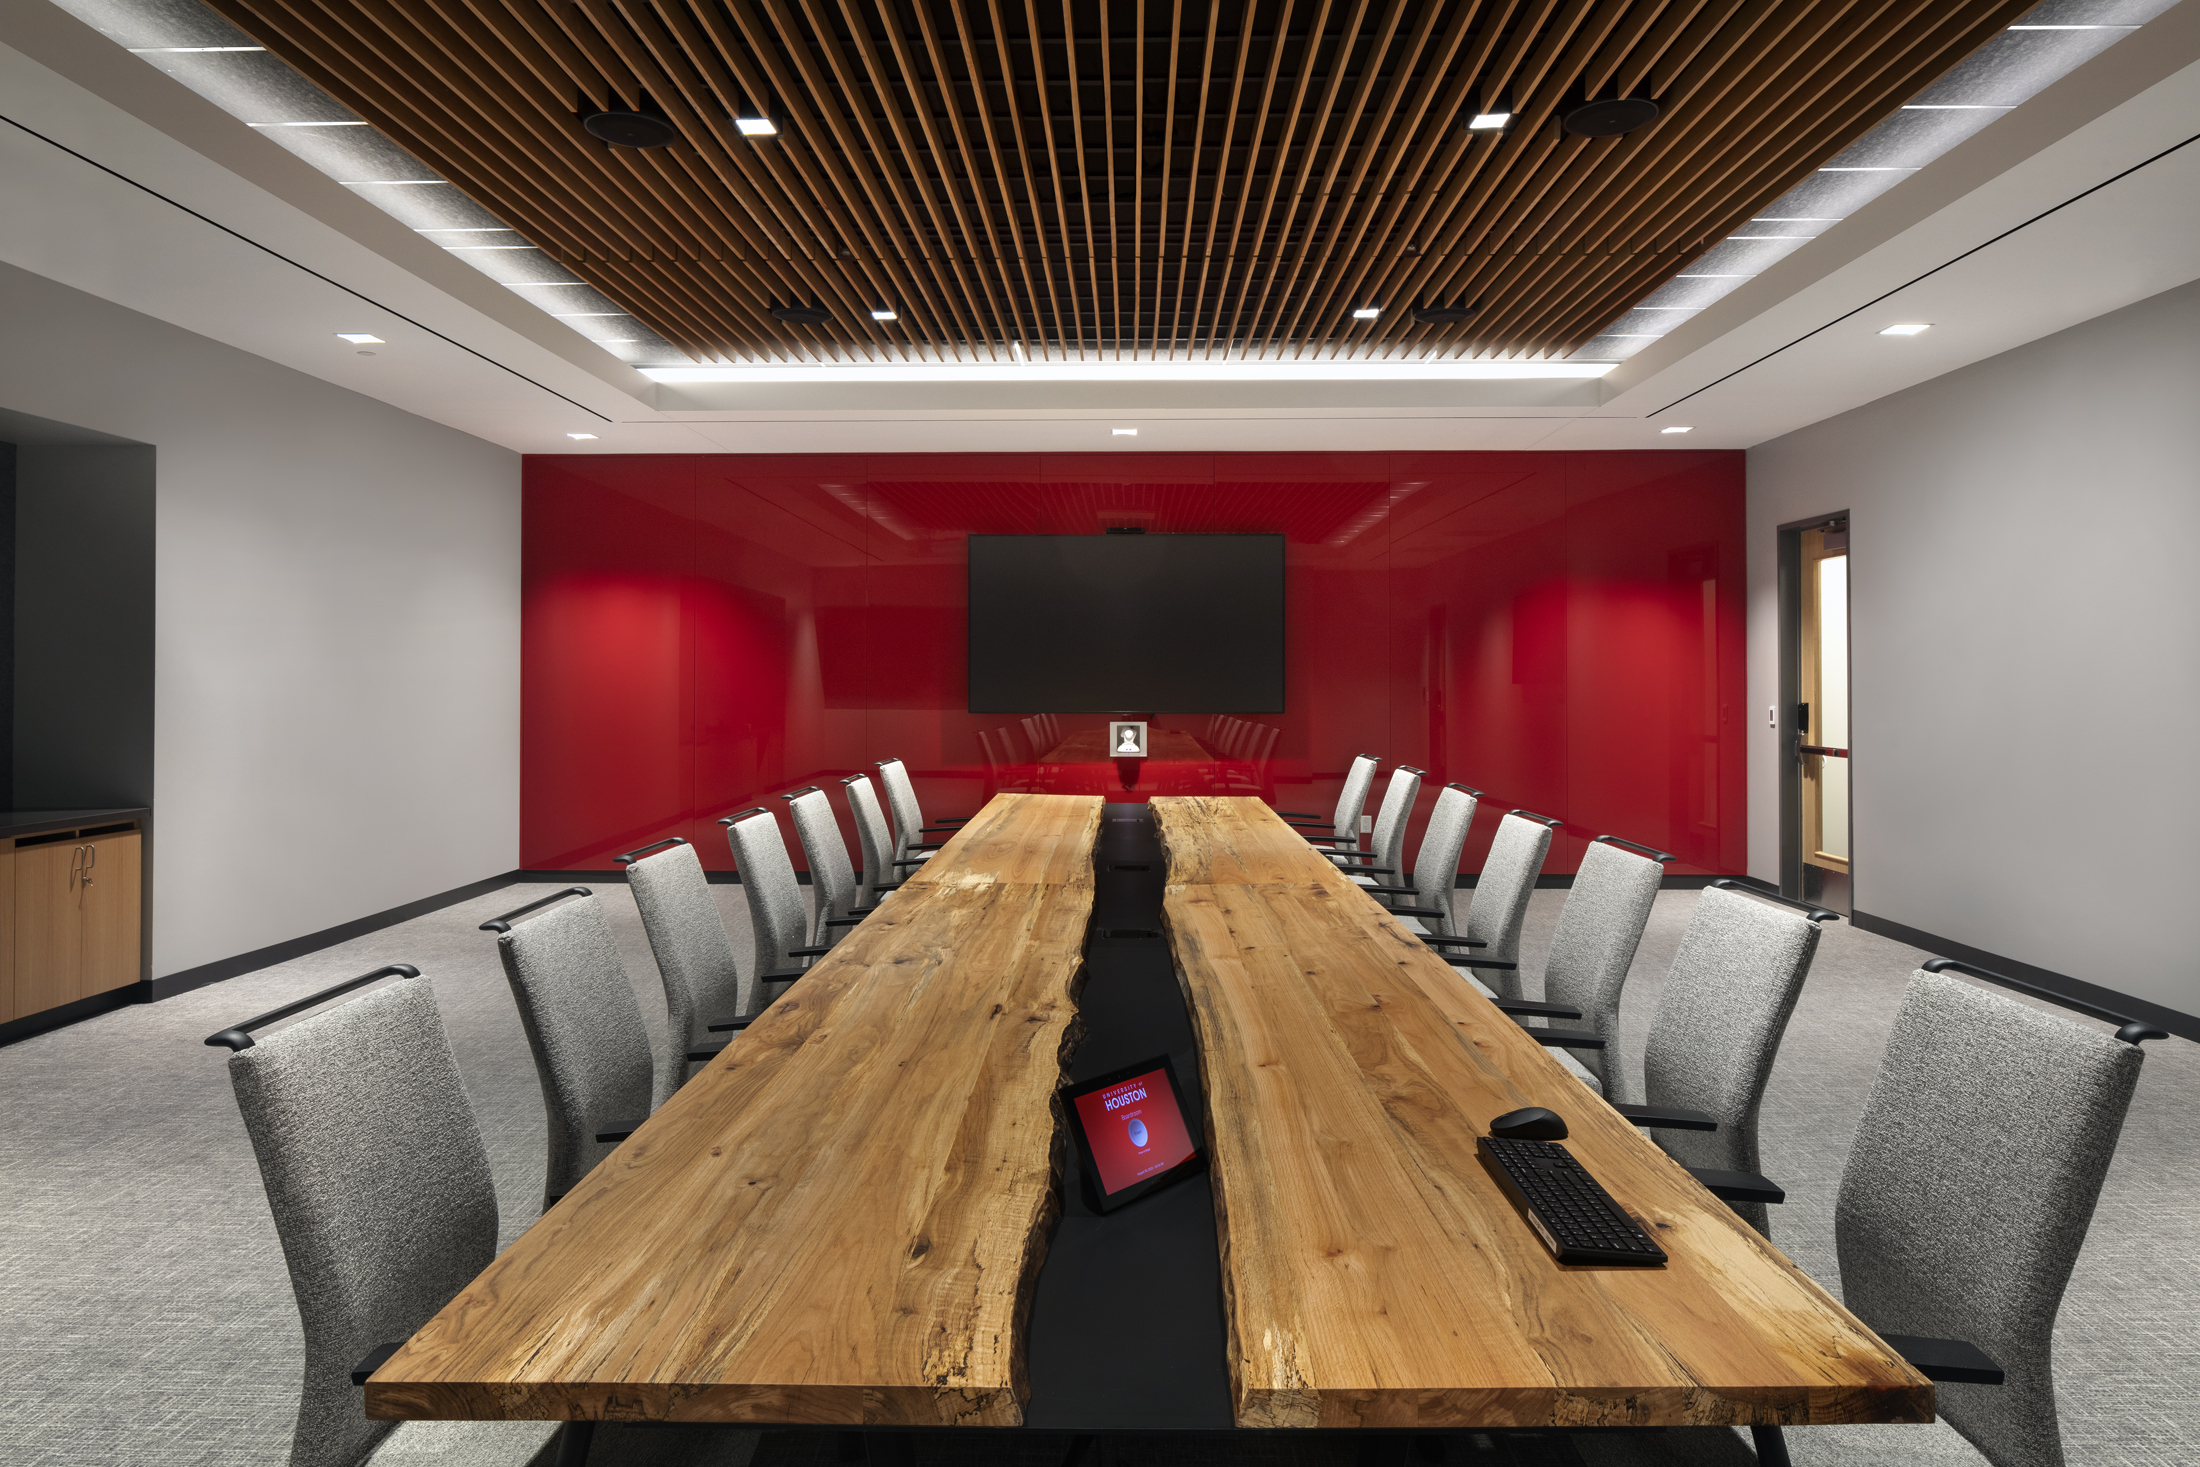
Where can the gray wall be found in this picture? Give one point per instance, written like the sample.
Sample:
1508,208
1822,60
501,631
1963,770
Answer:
336,657
83,680
2025,647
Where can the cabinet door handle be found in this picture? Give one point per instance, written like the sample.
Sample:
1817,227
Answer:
91,859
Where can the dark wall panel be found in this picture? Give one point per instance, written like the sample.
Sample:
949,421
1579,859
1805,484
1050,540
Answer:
1561,630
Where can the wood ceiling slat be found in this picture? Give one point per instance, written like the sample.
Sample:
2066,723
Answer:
1177,176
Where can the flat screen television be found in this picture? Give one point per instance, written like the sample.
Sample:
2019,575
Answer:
1126,624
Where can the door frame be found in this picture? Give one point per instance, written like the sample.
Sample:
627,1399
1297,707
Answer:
1789,560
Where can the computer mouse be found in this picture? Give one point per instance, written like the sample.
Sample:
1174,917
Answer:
1530,1123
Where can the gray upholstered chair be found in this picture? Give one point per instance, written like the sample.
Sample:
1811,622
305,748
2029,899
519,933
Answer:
591,1048
1599,928
1500,905
832,879
1344,824
1726,1002
1435,877
1387,846
382,1197
1965,1203
705,992
909,827
779,919
883,866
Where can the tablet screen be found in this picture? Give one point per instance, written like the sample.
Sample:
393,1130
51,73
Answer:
1133,1129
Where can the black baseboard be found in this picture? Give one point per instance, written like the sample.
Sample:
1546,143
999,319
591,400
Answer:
2184,1026
312,942
70,1013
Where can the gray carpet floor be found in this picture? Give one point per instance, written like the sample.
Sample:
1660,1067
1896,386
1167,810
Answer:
149,1318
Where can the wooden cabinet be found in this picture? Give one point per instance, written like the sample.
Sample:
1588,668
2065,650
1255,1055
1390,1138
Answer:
75,904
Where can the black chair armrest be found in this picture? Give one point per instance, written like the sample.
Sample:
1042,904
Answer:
782,975
950,823
928,845
806,952
905,861
1434,940
1738,1186
887,886
700,1055
1483,963
1394,890
1298,814
734,1025
379,1356
612,1137
1429,912
843,921
1958,1362
1311,822
1522,1009
1565,1038
1667,1117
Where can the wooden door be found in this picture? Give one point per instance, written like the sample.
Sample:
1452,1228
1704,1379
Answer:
49,924
109,883
9,1009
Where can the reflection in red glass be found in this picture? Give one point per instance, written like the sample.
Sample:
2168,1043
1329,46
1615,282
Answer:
1561,630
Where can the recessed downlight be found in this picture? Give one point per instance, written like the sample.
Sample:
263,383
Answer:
1610,118
1907,328
884,313
1490,122
359,338
1367,313
798,314
580,435
628,128
756,127
1676,430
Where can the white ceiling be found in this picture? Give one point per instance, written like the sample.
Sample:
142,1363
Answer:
118,181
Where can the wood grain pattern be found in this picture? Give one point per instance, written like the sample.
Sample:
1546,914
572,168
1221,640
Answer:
49,925
1135,179
111,889
1375,1274
841,1219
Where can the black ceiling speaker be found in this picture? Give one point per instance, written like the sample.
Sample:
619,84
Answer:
1610,118
1450,315
812,315
638,127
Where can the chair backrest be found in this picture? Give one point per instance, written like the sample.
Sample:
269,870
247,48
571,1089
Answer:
1599,928
1501,895
1726,1002
1389,841
380,1188
901,798
1353,798
1969,1190
694,957
779,920
875,836
1436,867
832,879
585,1028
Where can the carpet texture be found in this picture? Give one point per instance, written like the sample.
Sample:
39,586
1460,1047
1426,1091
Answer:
150,1318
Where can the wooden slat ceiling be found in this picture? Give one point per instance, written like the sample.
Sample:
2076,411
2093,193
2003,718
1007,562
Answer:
1116,178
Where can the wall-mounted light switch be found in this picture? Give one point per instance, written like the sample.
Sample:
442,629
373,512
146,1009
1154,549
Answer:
1367,824
1772,717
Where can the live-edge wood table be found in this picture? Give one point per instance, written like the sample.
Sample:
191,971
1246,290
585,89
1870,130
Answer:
839,1221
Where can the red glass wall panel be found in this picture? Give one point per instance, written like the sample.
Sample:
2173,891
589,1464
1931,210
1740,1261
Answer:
704,633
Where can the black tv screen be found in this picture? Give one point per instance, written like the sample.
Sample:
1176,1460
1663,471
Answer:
1126,623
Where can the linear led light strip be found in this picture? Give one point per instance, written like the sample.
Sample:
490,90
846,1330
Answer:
1140,372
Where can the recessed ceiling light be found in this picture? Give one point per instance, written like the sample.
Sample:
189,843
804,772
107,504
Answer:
1673,430
1609,118
630,129
884,313
580,435
359,338
1124,432
1367,313
1490,122
1907,328
756,127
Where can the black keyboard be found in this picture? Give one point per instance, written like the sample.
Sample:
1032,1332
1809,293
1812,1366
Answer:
1577,1218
